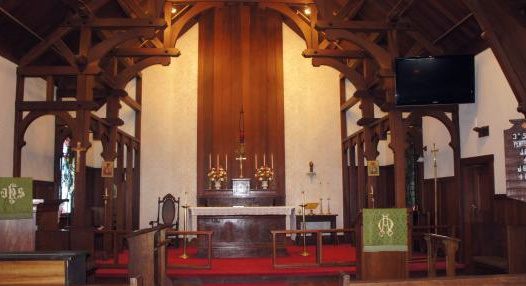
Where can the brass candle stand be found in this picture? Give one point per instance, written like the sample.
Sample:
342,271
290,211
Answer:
303,227
185,227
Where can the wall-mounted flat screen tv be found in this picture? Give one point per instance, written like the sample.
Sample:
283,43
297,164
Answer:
435,80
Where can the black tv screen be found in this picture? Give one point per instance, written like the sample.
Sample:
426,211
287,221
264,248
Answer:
435,80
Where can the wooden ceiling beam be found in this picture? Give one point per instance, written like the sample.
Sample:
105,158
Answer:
292,2
55,36
38,71
116,23
506,34
398,10
363,26
56,105
426,44
133,10
145,52
349,10
452,28
349,103
323,53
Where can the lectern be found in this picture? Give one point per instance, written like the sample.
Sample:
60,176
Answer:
382,244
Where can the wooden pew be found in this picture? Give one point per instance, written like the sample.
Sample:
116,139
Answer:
449,245
500,248
43,268
487,280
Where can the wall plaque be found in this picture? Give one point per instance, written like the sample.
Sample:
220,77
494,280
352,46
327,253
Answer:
515,159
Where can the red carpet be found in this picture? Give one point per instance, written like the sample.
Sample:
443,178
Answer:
244,267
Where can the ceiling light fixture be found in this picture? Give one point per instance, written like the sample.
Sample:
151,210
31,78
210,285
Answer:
307,11
174,10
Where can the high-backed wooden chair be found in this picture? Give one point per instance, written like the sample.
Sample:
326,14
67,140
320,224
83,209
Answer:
167,213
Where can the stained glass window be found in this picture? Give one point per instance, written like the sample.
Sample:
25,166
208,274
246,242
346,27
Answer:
67,176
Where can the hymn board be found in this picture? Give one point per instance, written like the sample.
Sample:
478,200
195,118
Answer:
515,153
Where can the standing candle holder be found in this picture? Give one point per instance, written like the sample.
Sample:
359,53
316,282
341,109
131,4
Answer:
328,206
185,226
303,227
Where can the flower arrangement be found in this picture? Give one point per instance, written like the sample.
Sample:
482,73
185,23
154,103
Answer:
265,173
217,174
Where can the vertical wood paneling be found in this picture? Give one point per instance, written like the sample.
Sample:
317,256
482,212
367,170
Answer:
240,65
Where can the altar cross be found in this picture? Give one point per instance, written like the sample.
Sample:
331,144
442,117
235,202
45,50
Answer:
241,158
77,151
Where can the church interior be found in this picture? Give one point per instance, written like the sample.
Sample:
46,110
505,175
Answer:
263,142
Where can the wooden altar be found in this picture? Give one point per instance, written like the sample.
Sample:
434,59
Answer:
243,231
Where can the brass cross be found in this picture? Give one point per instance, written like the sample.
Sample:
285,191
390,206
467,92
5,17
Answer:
434,151
241,158
77,151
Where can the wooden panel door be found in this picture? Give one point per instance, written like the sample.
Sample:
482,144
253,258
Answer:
478,191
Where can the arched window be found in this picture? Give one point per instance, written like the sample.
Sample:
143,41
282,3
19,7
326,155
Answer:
67,176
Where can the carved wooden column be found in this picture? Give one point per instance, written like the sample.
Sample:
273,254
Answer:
128,190
18,133
361,173
398,144
84,93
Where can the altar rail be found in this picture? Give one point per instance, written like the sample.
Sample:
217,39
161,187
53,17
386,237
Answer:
487,280
319,247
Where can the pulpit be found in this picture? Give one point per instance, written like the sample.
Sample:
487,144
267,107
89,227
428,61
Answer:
19,234
382,244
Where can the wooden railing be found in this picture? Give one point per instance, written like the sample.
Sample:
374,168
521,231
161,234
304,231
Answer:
208,235
118,242
448,244
443,281
319,247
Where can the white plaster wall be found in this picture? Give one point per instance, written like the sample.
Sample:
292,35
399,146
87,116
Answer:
7,116
38,154
312,128
126,113
169,129
494,106
433,131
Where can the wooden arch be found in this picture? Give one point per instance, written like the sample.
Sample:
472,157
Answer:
98,51
196,10
130,72
354,77
440,116
285,10
34,115
379,54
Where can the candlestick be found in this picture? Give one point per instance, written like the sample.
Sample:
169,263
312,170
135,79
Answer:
264,161
185,198
256,163
210,161
226,162
272,161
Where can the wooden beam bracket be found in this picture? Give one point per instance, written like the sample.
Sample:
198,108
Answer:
323,53
56,105
116,23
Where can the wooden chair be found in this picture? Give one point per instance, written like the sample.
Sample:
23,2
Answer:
168,214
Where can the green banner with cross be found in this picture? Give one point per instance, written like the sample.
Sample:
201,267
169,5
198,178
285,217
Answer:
384,230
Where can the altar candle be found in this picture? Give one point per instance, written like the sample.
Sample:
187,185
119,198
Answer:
303,194
256,161
264,162
226,162
185,198
217,162
210,161
272,161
